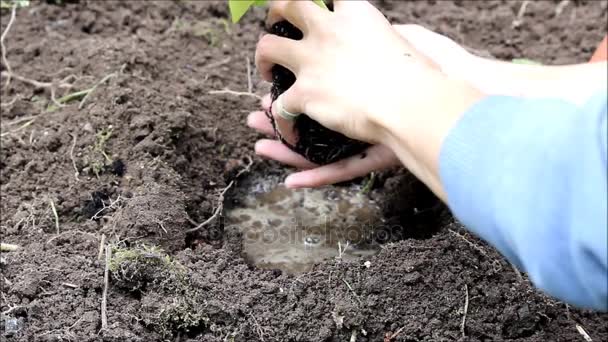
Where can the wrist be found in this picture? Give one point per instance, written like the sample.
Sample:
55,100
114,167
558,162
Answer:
416,133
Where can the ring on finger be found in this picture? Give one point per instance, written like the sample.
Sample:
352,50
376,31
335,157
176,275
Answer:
284,113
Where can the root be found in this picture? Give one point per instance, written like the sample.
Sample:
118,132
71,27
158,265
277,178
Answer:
112,205
465,310
234,93
220,206
3,47
7,247
76,172
104,297
520,15
54,210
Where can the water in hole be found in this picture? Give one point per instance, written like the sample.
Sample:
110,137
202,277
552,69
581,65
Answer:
293,229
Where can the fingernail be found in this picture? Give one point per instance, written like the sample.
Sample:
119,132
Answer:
250,120
290,183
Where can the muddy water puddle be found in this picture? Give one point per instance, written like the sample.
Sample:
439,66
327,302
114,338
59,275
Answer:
294,229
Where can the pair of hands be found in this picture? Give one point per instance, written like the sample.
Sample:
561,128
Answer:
359,75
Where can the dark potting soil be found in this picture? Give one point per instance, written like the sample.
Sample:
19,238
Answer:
180,145
315,142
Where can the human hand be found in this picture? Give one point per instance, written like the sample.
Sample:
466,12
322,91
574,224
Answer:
375,158
356,75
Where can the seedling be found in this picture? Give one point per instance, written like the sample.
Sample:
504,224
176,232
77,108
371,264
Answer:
315,142
238,8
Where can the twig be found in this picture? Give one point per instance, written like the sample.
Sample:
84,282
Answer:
353,291
76,172
111,206
340,250
2,38
220,206
247,167
583,333
55,214
520,15
560,7
104,297
466,309
35,83
395,334
217,212
25,125
218,63
7,247
70,285
249,82
101,244
235,93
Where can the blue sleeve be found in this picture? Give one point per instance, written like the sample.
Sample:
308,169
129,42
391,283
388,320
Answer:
529,176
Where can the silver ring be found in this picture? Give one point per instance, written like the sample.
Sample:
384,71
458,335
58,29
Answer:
283,112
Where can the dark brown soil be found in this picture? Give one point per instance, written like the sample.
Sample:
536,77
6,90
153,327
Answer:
180,146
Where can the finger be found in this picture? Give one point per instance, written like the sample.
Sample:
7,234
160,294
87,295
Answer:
302,14
375,158
266,102
260,122
273,149
272,49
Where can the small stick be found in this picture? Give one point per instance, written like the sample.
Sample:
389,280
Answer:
560,7
2,38
55,214
35,83
76,172
466,309
101,244
70,285
394,335
104,297
7,247
217,212
583,333
235,93
220,206
522,10
249,82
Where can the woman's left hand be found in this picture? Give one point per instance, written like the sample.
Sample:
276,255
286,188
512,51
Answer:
377,157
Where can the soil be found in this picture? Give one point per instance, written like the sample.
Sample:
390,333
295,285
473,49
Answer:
315,142
154,150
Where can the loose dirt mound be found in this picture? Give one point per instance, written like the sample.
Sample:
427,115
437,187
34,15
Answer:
144,158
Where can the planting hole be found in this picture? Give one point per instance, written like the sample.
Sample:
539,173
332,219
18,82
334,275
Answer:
294,229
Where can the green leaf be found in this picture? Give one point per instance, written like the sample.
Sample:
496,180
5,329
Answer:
525,61
16,3
239,7
321,3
